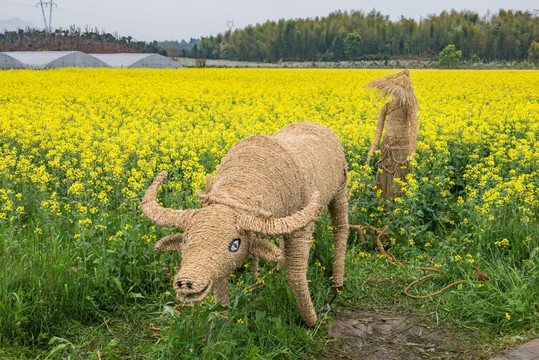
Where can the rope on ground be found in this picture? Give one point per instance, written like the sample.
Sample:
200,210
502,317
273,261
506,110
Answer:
482,277
381,234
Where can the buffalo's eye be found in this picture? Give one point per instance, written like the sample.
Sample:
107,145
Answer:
234,245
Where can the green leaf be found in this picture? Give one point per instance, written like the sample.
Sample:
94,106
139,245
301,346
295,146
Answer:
119,285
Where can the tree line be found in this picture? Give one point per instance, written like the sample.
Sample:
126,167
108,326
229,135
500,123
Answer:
73,38
356,35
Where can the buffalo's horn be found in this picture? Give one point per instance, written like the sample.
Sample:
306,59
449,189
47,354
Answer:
159,215
281,226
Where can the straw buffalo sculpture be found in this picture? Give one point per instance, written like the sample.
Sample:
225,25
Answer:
265,186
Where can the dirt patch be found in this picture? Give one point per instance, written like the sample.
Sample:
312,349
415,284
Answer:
373,335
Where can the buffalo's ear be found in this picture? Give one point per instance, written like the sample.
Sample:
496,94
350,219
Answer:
265,249
169,243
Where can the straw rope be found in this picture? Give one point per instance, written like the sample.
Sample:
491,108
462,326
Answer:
161,216
265,185
399,118
170,243
281,226
338,210
206,256
213,199
482,277
297,247
380,234
399,87
393,164
390,155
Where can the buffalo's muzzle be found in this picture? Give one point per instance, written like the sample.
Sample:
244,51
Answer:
190,291
189,284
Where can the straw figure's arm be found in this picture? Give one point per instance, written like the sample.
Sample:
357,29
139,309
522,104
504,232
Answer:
412,117
379,130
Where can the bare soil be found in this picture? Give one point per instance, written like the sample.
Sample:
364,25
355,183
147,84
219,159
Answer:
379,334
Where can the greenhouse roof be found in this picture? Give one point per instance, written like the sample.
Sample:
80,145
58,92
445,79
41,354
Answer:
9,62
59,59
55,59
130,60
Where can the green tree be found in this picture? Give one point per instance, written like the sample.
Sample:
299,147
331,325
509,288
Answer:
533,52
337,48
506,35
450,56
352,46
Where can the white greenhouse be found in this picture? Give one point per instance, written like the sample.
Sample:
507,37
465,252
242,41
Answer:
9,62
132,60
55,59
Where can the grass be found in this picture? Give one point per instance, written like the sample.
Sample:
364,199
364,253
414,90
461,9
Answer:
62,311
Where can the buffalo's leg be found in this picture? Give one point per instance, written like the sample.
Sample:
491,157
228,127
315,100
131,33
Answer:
338,210
297,246
255,268
220,291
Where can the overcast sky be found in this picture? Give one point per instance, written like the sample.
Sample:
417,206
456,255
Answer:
180,19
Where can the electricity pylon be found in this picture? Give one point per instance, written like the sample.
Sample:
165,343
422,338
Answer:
43,5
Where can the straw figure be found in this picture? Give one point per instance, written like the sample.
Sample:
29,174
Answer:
265,186
400,138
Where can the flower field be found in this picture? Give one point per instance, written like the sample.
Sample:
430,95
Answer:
80,146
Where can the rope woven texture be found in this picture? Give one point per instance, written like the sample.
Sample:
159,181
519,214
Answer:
399,117
265,185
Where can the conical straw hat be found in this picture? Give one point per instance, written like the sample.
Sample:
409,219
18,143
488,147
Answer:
399,87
